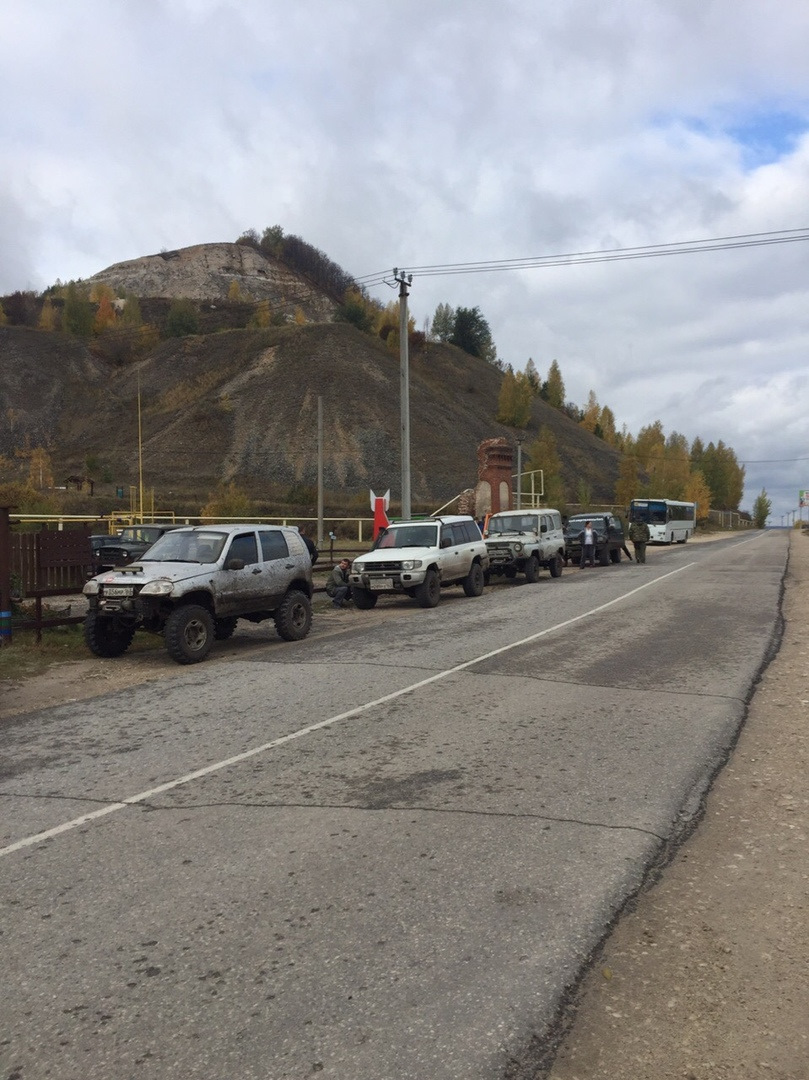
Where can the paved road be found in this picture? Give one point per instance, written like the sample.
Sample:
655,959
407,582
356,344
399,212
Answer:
379,853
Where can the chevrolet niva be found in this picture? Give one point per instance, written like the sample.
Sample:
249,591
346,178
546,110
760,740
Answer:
195,583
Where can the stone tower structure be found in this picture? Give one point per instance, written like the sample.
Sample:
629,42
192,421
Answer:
495,468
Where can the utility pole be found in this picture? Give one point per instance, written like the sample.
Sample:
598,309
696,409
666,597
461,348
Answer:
319,471
519,472
404,381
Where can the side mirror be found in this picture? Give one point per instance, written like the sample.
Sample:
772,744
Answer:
446,541
235,564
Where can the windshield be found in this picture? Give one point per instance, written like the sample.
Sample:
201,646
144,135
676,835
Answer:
196,547
408,536
512,523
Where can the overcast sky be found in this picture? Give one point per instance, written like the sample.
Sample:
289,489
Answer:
448,131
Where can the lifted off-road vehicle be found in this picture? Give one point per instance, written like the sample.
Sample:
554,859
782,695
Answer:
194,584
419,558
525,541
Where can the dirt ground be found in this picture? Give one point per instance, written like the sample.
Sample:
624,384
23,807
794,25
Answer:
706,977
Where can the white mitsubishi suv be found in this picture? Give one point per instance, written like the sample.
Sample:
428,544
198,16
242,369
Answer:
418,558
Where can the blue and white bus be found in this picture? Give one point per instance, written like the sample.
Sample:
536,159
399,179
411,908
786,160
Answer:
669,521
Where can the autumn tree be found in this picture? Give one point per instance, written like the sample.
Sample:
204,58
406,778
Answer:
262,315
47,316
761,510
532,375
234,292
628,485
606,422
105,316
553,389
77,314
697,491
514,400
724,476
40,473
358,310
227,501
592,413
3,317
543,454
443,323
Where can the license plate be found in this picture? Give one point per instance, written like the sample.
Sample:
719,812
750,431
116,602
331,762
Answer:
118,590
380,584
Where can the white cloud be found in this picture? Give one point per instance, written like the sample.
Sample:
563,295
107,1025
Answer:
446,131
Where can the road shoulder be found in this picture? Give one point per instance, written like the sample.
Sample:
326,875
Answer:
706,977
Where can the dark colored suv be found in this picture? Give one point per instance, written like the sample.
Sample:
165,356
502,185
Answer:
129,545
609,532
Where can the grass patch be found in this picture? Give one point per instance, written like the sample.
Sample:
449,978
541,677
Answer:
24,657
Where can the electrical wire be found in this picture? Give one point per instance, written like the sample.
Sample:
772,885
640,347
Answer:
581,258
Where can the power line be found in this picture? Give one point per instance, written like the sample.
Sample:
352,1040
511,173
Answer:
580,258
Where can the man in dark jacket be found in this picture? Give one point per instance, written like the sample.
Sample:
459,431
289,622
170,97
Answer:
337,586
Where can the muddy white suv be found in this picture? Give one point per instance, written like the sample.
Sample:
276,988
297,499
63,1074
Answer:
419,558
524,541
194,584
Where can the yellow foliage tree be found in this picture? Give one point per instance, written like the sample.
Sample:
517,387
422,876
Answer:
627,487
47,316
40,473
234,292
262,316
227,501
697,490
543,454
101,292
592,414
299,317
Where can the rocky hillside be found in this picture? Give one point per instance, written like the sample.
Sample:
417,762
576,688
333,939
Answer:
240,405
207,272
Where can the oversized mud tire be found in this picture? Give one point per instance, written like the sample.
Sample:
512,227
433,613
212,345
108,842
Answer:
293,619
532,569
473,582
189,633
556,564
363,599
223,628
106,636
429,592
604,557
615,555
510,572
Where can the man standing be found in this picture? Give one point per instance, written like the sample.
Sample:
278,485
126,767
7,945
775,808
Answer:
587,539
337,586
640,536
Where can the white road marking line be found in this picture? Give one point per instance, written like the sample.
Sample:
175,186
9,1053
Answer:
358,710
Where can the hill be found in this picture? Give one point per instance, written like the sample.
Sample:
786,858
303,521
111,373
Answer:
240,405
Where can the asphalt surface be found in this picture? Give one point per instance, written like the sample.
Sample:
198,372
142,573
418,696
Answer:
382,852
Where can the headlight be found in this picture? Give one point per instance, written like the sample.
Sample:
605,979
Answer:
357,568
91,588
411,564
161,587
518,547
